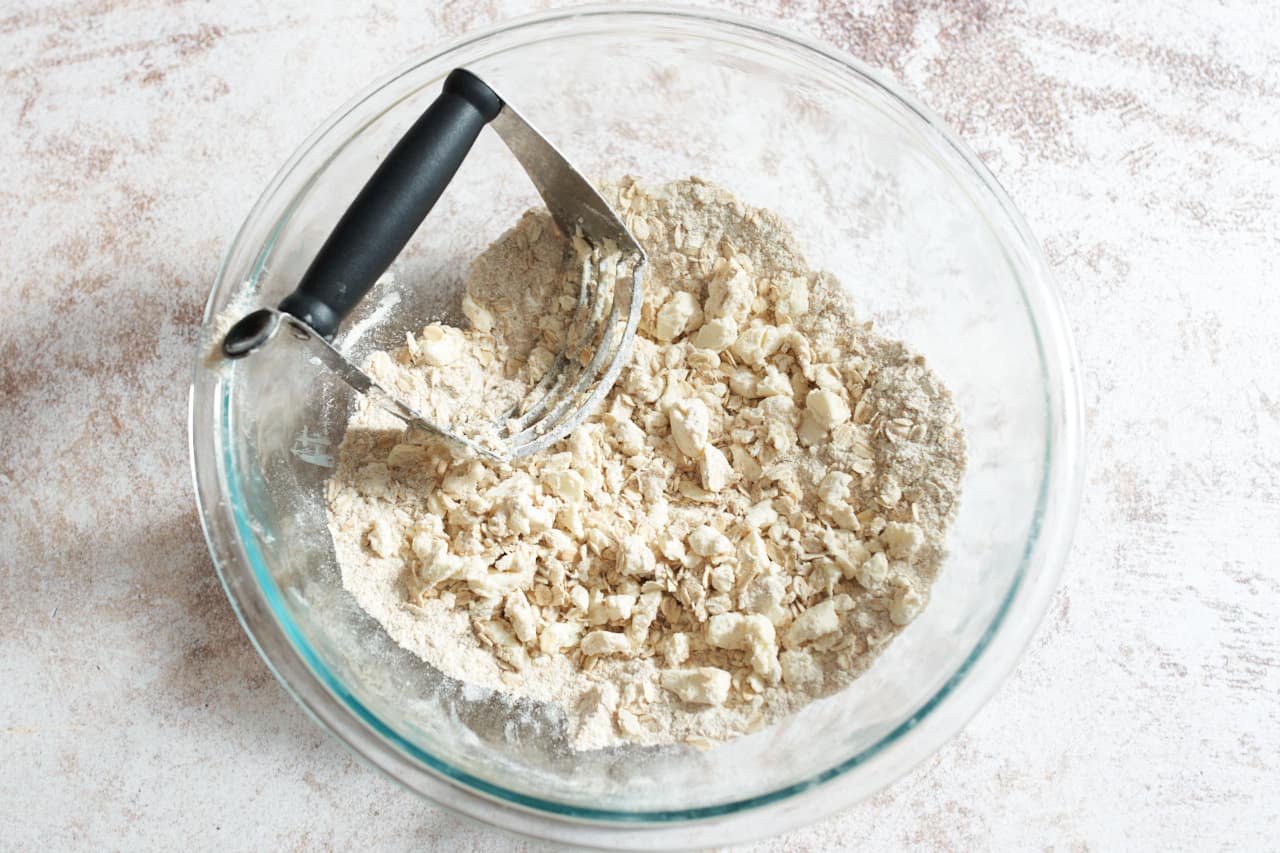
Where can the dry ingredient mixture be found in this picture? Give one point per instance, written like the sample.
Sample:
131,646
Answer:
755,510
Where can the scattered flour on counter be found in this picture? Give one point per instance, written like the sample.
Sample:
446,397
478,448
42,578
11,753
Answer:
755,510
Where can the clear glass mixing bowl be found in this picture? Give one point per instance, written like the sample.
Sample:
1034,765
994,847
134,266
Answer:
896,205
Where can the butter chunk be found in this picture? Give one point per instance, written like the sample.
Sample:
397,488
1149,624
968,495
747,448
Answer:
846,550
566,485
826,376
907,604
526,517
817,621
872,572
714,470
811,430
703,685
642,616
791,299
799,669
901,539
464,480
723,578
752,551
630,438
435,564
764,596
706,541
509,572
558,636
617,608
846,518
672,548
675,648
635,558
731,293
690,423
440,345
520,614
744,382
717,334
605,643
757,343
679,313
834,490
727,631
761,515
773,384
826,407
751,633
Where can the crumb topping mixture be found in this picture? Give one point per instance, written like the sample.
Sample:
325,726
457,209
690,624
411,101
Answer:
757,507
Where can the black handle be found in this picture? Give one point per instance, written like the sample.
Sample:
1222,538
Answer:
393,204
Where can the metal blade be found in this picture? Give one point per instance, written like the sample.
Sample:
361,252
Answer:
568,195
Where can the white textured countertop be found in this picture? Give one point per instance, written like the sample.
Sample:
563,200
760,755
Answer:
1141,140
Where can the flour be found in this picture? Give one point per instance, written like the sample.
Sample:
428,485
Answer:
756,509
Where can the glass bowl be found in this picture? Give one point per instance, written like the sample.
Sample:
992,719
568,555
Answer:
877,191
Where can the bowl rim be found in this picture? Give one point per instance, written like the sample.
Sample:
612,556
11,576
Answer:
295,665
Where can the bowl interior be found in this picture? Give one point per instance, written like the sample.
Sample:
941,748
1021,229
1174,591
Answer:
875,194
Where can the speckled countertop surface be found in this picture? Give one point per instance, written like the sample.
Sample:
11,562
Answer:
1140,139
